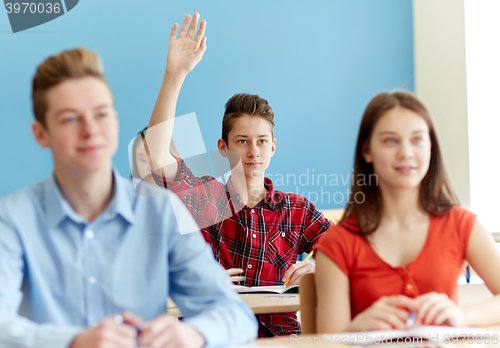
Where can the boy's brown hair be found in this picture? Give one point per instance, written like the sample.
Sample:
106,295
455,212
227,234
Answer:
246,104
66,65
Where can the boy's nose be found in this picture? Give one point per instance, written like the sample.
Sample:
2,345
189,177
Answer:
253,151
90,126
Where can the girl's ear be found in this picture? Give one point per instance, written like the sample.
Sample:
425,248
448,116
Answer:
221,144
365,152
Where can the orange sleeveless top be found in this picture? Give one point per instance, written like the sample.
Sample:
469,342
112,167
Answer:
436,268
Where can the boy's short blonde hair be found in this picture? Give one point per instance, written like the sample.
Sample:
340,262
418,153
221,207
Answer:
66,65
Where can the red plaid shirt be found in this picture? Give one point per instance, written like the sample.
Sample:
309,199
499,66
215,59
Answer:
264,240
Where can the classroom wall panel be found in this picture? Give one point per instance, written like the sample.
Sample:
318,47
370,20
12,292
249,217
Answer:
318,63
440,81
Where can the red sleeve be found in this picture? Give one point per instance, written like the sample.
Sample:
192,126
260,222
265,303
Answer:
196,193
338,244
182,183
464,220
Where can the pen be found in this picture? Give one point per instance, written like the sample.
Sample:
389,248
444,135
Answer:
307,258
411,319
120,320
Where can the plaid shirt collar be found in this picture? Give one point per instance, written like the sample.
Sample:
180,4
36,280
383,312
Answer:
269,200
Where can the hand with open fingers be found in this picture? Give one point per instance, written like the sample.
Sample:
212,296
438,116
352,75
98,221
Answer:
167,331
387,313
438,309
296,270
187,50
106,334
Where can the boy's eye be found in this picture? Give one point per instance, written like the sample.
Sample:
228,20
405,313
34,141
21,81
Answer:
102,114
263,141
241,141
69,119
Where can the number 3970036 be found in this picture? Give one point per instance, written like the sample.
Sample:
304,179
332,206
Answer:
26,7
471,338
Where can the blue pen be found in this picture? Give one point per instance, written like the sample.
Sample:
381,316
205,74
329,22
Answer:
411,319
120,320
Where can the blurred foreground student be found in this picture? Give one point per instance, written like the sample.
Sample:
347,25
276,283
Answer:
403,242
82,245
248,224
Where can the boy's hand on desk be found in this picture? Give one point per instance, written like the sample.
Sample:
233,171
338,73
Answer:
106,334
185,52
167,331
296,270
387,313
438,309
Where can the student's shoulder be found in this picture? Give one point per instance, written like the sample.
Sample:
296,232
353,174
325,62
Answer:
347,230
458,220
456,215
184,173
22,204
145,194
293,200
342,239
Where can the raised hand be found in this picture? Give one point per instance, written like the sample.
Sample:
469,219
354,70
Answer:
185,52
389,312
439,309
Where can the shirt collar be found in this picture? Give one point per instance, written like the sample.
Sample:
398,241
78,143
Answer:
269,199
57,208
124,198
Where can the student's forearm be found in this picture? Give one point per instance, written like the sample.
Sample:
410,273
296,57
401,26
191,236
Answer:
167,98
19,332
484,313
159,134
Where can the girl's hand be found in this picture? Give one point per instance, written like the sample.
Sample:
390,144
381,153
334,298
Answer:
185,52
389,312
438,309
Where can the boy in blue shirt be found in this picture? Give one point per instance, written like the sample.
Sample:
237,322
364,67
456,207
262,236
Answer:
82,246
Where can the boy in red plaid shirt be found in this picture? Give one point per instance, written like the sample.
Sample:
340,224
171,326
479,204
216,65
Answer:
248,223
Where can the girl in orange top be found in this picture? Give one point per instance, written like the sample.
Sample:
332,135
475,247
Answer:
402,242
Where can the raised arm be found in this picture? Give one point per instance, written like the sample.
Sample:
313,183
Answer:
183,55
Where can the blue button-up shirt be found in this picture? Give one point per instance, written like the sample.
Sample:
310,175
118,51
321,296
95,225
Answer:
60,274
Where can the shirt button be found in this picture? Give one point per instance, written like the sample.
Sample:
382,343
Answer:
409,287
249,266
92,280
282,234
89,234
254,236
252,211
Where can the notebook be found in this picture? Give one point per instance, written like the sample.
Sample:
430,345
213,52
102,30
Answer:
278,289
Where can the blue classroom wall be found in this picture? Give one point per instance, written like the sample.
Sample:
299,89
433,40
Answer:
318,63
